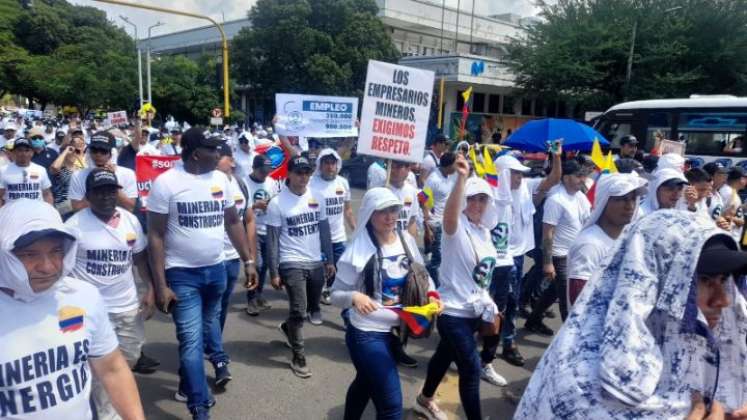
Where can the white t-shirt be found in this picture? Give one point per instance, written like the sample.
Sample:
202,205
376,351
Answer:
125,177
430,163
441,187
589,253
335,194
726,194
243,162
261,191
104,256
24,182
521,240
376,176
45,372
567,213
462,278
394,268
195,205
408,195
716,207
298,218
230,253
501,235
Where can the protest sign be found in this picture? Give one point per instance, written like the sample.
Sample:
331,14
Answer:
671,146
396,108
147,169
117,118
316,116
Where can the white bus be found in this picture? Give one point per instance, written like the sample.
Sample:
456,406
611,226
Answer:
712,127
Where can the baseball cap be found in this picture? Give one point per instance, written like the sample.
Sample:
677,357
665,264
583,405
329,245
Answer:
35,132
195,137
736,173
101,178
571,167
629,139
59,133
714,168
720,256
102,140
22,141
260,161
224,150
300,163
440,138
510,162
11,126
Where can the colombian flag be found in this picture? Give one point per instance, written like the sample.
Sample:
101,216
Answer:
313,204
70,318
425,197
217,192
491,174
417,318
131,239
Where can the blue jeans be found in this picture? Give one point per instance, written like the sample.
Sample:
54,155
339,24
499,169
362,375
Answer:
458,345
198,292
435,262
262,268
337,250
376,376
233,267
505,289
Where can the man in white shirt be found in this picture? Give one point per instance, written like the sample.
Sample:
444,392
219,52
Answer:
375,174
565,213
9,133
664,191
408,195
699,198
335,191
22,178
53,325
734,210
297,235
615,206
432,157
100,153
190,209
111,243
439,183
243,156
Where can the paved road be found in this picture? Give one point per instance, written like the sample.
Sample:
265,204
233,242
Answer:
265,388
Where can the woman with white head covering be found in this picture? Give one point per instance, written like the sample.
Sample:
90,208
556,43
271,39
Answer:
664,191
615,206
43,311
465,273
371,275
664,320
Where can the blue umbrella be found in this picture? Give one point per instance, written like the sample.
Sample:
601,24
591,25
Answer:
534,135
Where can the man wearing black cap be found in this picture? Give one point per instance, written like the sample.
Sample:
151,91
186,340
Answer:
628,147
190,209
243,156
43,156
100,153
433,156
261,189
111,242
59,138
565,213
22,178
297,234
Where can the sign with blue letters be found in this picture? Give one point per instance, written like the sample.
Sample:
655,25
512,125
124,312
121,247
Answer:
316,116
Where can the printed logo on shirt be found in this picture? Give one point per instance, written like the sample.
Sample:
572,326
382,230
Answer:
717,211
260,195
33,175
200,214
313,203
408,202
131,239
483,272
339,191
238,199
109,262
499,234
303,224
30,190
70,318
740,213
216,192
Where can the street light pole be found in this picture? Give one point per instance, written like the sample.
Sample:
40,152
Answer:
139,60
147,59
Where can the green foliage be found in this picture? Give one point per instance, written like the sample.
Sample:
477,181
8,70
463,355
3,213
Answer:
310,46
579,50
184,88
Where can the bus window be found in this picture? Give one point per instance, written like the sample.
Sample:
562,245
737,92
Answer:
615,130
658,122
712,133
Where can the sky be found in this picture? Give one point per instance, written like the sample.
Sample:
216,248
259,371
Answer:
237,9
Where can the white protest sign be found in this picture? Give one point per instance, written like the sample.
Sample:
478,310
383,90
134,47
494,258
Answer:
316,116
671,146
117,118
396,108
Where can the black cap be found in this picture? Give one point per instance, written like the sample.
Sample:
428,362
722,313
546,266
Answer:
629,139
224,150
22,141
735,173
195,137
99,177
720,256
299,164
59,133
571,167
243,138
440,138
102,140
260,161
628,165
714,168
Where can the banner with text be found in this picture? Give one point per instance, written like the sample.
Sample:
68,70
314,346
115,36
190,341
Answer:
396,108
316,116
147,169
117,118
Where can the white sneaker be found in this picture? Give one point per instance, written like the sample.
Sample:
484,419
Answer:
490,375
429,409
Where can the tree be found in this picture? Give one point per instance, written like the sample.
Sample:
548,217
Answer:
184,88
579,50
310,46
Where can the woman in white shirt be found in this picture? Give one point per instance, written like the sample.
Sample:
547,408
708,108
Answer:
465,274
371,275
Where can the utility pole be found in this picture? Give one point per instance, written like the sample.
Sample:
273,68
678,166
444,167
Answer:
147,60
456,36
139,60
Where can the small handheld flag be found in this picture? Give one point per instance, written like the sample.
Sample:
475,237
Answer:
425,197
417,318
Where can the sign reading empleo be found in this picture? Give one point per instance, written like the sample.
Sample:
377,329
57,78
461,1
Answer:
396,108
316,116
